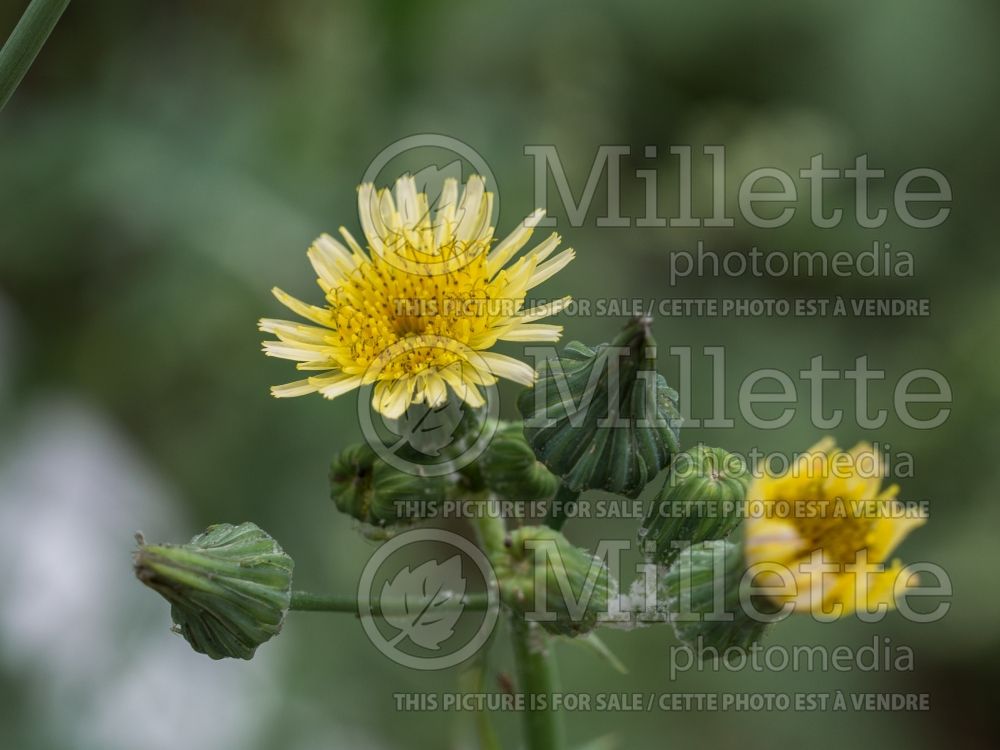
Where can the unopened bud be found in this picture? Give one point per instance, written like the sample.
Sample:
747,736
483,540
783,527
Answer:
364,486
602,417
701,595
702,499
229,587
574,583
509,467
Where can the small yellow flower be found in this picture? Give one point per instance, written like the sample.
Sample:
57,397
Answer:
829,507
417,312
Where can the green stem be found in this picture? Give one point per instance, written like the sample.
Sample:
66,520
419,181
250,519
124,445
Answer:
25,42
304,601
536,666
559,507
491,527
538,680
492,531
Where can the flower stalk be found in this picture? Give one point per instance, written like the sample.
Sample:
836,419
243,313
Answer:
538,679
305,601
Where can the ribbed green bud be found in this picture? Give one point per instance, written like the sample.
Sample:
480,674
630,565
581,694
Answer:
702,499
509,466
229,588
701,595
603,418
364,486
575,583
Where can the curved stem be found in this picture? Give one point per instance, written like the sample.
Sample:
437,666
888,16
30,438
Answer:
560,505
305,601
538,678
492,528
25,42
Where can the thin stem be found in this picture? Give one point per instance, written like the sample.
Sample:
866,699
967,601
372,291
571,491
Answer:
493,539
472,679
538,678
25,42
305,601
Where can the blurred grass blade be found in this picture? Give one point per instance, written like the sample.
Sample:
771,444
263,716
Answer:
591,642
25,42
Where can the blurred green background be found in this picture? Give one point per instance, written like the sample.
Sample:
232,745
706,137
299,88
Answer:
165,163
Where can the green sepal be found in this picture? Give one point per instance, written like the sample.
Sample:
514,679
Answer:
365,487
592,425
701,499
229,587
432,440
701,595
585,575
510,469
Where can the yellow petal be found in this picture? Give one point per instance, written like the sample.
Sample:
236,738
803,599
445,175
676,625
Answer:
772,540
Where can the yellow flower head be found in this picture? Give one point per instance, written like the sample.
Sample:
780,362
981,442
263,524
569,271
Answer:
416,312
830,508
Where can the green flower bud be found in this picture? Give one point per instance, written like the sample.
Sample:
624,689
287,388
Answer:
576,586
229,588
509,466
702,499
701,595
602,418
364,486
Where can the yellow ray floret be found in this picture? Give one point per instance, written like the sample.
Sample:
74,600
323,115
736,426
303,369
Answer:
416,312
828,509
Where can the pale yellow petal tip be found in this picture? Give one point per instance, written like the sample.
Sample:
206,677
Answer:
283,297
825,445
889,493
323,242
290,390
861,448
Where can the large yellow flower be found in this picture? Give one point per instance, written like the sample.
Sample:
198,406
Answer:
829,508
417,312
